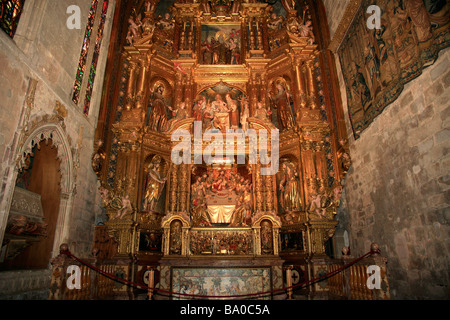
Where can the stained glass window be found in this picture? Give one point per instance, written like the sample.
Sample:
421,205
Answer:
84,52
10,15
93,69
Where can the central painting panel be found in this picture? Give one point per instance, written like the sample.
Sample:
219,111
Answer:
222,282
221,44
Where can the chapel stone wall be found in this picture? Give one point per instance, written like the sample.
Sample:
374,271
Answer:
44,52
397,191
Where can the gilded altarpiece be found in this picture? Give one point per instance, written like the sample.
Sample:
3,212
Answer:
191,74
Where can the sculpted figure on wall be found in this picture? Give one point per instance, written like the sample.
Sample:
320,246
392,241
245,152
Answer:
274,23
156,112
290,199
177,115
153,185
281,101
221,196
245,114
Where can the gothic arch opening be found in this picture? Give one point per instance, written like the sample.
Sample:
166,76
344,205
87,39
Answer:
41,179
47,147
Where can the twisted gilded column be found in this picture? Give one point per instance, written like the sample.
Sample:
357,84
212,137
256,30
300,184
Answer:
252,34
131,85
268,184
173,188
184,188
141,82
311,83
259,33
258,188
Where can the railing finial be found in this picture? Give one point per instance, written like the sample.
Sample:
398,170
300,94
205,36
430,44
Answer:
375,248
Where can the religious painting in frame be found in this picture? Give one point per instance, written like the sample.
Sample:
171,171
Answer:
377,62
150,241
221,44
220,282
221,107
292,241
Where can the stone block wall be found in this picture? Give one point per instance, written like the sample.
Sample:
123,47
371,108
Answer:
25,285
398,188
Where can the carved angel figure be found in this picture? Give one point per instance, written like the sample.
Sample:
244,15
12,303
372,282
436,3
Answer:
127,208
275,22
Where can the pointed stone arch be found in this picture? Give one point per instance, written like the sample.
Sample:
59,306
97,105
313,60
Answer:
43,130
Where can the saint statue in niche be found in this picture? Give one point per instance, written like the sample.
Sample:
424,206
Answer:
175,237
289,188
281,101
154,184
266,237
156,111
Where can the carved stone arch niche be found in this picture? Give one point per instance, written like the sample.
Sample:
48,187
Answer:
49,135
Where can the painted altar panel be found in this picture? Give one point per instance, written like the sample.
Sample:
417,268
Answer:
206,241
150,241
221,282
377,63
220,44
292,241
221,107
